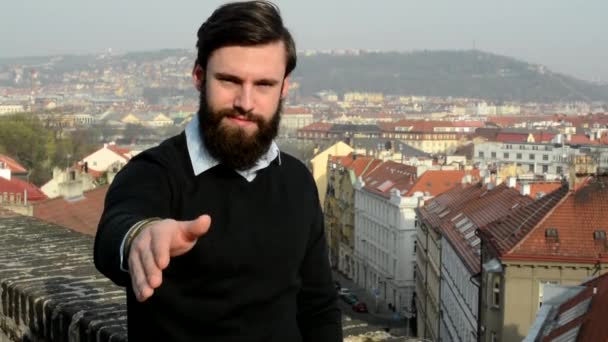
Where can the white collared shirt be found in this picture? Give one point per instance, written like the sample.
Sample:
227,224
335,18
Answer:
202,161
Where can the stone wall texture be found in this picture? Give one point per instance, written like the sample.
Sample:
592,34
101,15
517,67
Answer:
50,289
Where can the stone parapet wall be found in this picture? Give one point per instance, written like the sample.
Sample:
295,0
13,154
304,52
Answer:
50,290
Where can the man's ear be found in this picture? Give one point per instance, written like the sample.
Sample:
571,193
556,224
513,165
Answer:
285,88
198,76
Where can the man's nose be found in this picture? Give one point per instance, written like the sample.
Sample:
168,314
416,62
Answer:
244,99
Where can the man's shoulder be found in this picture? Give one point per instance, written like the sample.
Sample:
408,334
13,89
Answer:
166,153
292,163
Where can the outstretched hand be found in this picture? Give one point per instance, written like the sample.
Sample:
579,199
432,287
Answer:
155,245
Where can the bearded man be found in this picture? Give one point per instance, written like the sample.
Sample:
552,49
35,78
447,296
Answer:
215,233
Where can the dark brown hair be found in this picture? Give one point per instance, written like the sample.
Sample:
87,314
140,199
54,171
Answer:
246,23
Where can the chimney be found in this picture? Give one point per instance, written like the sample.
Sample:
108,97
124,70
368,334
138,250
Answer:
525,189
72,186
5,172
487,180
511,182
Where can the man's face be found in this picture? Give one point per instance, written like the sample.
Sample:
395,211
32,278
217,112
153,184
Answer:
241,93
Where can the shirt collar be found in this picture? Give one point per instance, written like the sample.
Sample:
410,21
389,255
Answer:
202,161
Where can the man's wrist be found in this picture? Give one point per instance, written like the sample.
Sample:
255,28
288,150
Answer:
132,234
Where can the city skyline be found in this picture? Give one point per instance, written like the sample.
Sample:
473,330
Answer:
564,36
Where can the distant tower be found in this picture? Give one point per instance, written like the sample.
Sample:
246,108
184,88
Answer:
33,78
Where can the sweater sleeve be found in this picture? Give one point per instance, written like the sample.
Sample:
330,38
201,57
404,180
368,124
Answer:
319,317
139,191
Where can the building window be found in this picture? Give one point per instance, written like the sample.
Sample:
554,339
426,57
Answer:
545,168
518,156
531,156
559,170
545,157
481,154
506,155
531,167
496,293
542,289
493,154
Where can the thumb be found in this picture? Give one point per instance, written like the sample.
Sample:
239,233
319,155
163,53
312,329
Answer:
196,228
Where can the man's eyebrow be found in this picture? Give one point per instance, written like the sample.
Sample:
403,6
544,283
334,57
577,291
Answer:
232,78
227,77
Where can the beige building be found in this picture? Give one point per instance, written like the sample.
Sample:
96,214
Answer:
363,97
318,165
339,207
294,118
430,136
560,239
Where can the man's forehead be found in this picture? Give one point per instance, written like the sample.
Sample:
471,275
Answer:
267,60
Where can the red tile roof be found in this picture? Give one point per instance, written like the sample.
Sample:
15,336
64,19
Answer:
581,139
435,182
12,164
541,188
18,186
512,137
390,175
543,137
359,164
506,233
317,126
295,110
575,218
81,215
471,206
121,151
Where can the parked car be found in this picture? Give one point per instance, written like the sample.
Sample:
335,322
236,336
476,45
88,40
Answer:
343,291
359,307
349,298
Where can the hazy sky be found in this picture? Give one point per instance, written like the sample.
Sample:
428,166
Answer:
569,36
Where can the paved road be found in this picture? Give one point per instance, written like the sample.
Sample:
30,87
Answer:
356,323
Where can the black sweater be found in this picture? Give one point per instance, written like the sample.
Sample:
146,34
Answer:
261,273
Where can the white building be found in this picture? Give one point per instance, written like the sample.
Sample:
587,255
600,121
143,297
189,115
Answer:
108,155
459,297
550,160
385,234
6,109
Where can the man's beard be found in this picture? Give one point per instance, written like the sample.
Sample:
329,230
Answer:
231,145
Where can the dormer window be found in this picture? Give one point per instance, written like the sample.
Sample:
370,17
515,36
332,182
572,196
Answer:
599,235
551,235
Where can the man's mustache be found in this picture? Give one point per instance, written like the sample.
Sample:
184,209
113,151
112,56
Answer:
233,113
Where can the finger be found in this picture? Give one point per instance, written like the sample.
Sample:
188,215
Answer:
151,270
137,274
144,290
196,228
160,248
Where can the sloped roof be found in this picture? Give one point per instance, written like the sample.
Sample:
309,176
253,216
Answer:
12,164
575,218
583,315
459,212
18,186
390,175
81,214
317,126
435,182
